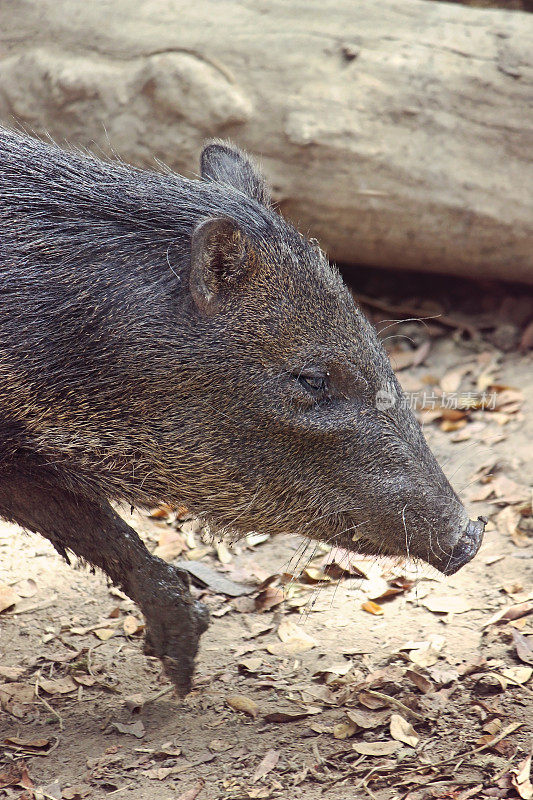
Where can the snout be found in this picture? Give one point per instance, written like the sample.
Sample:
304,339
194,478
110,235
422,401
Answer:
465,548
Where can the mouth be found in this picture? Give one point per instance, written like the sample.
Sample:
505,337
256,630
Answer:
466,547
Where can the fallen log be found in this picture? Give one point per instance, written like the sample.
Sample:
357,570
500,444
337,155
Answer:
398,133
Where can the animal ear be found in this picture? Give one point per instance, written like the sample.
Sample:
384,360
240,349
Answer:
219,262
224,163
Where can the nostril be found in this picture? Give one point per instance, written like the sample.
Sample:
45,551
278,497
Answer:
476,527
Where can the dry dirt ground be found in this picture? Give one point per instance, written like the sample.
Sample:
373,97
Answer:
328,676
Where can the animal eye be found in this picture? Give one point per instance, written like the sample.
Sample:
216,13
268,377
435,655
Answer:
315,384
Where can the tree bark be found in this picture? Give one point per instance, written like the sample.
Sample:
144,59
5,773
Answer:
398,132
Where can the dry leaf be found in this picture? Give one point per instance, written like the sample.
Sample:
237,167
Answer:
462,436
402,359
452,379
447,604
132,625
490,560
11,673
508,400
32,744
510,613
343,730
269,597
480,493
367,720
250,664
197,553
21,693
134,702
508,491
507,521
524,647
315,575
293,640
192,794
223,553
370,701
88,629
339,563
16,774
130,728
375,587
220,745
57,685
26,587
450,425
443,675
76,792
372,608
518,675
267,764
171,544
526,342
512,588
493,727
318,693
403,731
161,512
519,624
84,680
8,597
395,586
239,702
427,654
292,716
334,672
104,633
420,681
521,779
376,748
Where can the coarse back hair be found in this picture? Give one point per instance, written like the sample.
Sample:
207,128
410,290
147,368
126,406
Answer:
87,204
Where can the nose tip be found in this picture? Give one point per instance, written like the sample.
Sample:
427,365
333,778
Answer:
467,546
476,527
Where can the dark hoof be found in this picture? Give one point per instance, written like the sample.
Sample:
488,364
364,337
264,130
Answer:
174,624
173,636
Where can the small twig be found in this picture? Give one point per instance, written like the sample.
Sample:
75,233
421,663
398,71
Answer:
436,782
393,702
369,791
28,609
473,751
45,795
352,773
46,704
54,746
506,731
505,768
29,751
319,759
90,657
457,757
364,781
407,311
160,693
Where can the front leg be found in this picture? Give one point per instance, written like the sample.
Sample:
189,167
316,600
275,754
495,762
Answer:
93,531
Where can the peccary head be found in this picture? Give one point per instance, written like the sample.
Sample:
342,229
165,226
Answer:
180,341
298,417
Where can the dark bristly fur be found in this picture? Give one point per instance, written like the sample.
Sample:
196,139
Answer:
171,340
